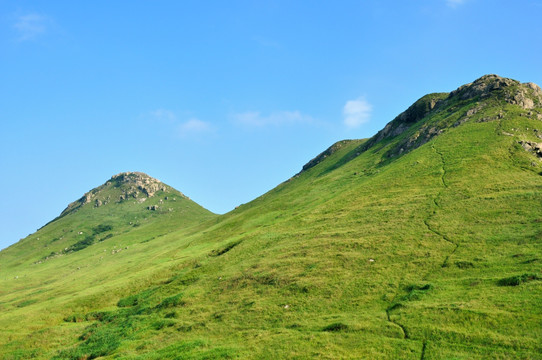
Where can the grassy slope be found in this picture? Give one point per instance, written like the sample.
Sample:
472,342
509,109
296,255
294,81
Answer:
36,292
368,258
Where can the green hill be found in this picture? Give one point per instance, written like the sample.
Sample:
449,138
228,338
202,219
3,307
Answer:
423,242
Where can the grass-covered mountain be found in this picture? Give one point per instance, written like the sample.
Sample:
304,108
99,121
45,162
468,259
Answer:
423,242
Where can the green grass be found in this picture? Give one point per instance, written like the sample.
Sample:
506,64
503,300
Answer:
432,254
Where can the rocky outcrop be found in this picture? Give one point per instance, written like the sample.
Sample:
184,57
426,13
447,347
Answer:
417,126
532,147
138,181
421,137
410,116
121,187
404,121
328,152
527,95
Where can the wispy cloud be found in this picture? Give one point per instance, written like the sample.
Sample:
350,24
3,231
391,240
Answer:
455,3
256,119
176,124
31,26
163,115
195,126
357,112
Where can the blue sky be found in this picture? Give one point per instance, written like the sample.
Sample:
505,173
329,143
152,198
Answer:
224,100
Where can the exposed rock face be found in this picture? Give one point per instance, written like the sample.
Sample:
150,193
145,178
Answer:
482,87
527,95
532,147
329,151
138,181
421,137
406,119
415,112
123,186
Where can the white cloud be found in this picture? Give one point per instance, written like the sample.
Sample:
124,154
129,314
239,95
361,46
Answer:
176,125
256,119
194,126
30,26
356,112
163,114
455,3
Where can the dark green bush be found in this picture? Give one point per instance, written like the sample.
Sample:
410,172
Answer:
413,287
80,245
171,315
171,301
102,228
131,300
518,279
108,236
464,264
335,327
74,318
225,249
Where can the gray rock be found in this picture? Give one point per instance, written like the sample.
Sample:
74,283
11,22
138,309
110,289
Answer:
535,87
532,147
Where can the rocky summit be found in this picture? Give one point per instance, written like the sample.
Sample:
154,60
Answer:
526,95
121,187
487,92
136,183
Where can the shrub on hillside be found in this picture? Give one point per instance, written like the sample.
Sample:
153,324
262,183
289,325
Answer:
518,279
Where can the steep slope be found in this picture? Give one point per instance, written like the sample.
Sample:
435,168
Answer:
422,242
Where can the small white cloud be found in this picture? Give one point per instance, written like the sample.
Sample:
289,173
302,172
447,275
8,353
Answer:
357,112
455,3
256,119
194,126
175,125
30,26
163,114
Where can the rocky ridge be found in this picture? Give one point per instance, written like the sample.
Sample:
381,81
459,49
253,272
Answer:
528,96
322,156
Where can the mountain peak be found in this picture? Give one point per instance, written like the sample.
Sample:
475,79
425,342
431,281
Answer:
526,95
435,113
121,187
133,174
423,121
146,183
